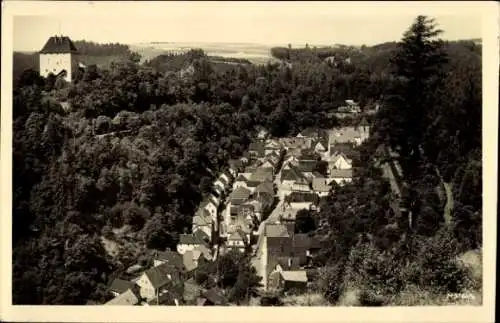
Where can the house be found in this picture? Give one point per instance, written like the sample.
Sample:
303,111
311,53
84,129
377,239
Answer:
221,183
308,155
205,223
59,56
191,241
157,280
339,161
302,200
293,280
301,185
321,146
321,187
290,161
192,259
210,206
262,175
213,297
252,185
235,166
296,142
312,132
240,181
119,286
251,210
272,146
350,107
265,193
168,257
256,149
341,176
239,196
307,167
355,135
127,298
238,240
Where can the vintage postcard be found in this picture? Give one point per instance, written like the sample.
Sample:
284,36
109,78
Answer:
249,161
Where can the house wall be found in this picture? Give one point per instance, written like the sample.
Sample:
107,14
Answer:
183,248
55,63
239,184
300,205
146,288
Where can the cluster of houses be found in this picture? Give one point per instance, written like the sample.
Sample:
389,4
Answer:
315,161
169,282
252,209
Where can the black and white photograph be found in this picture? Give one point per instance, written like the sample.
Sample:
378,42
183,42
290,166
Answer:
249,154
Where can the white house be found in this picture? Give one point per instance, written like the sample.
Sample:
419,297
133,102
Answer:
59,55
339,161
189,242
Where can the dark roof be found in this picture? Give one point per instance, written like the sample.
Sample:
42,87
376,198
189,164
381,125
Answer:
298,197
291,174
58,44
253,183
121,286
265,187
159,275
171,258
307,165
191,239
215,296
289,263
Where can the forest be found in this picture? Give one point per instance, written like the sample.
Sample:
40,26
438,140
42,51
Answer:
140,145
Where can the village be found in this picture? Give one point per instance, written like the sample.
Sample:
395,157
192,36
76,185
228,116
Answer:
252,210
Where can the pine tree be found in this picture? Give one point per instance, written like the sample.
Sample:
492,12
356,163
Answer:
417,71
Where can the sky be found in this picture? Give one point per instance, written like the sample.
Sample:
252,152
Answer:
321,23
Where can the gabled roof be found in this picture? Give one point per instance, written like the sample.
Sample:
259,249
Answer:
295,275
302,197
320,185
121,286
341,173
262,175
240,193
126,298
191,239
203,220
171,258
58,45
265,187
291,174
323,141
161,275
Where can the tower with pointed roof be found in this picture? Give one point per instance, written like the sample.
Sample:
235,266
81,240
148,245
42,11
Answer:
59,57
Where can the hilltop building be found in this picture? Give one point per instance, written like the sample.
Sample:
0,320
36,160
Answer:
59,57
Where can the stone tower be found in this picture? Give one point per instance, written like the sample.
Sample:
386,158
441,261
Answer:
59,57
